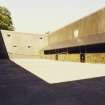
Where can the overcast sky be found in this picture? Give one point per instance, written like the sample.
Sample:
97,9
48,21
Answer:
38,16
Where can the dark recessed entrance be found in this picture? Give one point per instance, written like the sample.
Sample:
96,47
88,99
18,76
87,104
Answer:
82,50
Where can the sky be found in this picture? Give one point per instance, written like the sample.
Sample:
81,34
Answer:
40,16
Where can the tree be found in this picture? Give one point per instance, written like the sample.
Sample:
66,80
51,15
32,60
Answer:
5,19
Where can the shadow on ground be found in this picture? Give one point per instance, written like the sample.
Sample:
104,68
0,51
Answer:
20,87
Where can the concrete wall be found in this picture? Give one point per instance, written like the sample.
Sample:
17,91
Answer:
69,57
24,45
3,50
95,58
90,58
89,25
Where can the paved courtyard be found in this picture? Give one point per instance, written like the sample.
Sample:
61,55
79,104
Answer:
58,71
22,83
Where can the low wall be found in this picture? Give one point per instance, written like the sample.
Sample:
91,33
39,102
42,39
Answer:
95,58
89,58
69,57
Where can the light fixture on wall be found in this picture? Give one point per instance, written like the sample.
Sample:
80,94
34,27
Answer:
76,33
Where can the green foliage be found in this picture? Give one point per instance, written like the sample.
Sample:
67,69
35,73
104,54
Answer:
5,19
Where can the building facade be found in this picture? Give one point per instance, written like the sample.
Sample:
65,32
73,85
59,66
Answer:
22,45
82,40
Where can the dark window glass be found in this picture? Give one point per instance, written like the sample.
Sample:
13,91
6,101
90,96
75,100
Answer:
8,35
14,46
29,46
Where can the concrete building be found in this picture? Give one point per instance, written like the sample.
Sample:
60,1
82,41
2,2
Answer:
21,45
48,82
82,40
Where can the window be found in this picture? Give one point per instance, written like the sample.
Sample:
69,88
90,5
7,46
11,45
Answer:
8,35
41,38
29,46
14,46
